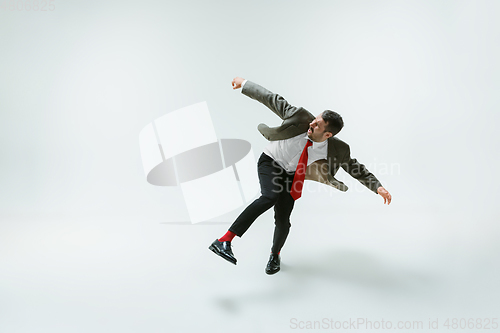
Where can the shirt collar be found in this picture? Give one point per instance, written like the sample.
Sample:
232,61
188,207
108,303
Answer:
316,145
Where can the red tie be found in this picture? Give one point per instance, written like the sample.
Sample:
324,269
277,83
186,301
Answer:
300,173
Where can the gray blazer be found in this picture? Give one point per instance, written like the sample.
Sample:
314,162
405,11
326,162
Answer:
296,121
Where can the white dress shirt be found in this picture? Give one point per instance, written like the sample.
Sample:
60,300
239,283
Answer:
287,152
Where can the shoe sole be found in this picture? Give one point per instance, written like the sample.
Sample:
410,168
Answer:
217,252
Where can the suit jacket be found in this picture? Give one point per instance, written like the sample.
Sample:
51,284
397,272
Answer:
296,121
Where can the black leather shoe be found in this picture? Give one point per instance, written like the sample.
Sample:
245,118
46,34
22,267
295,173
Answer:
273,266
223,249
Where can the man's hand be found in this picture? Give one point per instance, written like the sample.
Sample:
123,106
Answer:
385,194
237,81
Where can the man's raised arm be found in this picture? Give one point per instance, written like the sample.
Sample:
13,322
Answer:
273,101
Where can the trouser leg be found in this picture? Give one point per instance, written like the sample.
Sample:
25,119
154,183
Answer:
282,211
271,185
250,214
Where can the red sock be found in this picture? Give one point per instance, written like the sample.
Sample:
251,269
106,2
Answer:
227,237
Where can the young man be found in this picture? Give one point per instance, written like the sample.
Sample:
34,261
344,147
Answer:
303,147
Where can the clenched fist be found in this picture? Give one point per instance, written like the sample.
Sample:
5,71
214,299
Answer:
237,81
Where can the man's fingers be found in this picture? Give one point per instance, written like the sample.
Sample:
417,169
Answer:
237,81
388,197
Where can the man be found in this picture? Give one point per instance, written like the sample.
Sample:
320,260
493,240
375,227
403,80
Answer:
303,147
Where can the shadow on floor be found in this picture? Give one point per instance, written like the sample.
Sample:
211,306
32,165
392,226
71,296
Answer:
324,275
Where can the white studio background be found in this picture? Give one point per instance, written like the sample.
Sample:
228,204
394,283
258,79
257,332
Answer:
87,245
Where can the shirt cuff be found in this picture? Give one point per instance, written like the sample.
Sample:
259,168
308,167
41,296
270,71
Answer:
242,84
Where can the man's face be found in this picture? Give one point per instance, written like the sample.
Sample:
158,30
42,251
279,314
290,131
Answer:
316,131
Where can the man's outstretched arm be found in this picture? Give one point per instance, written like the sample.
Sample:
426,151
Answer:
365,177
273,101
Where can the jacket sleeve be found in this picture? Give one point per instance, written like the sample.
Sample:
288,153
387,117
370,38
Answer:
273,101
360,172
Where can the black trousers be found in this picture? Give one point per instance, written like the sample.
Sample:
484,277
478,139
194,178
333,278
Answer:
275,185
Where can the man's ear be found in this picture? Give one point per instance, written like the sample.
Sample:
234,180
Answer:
328,135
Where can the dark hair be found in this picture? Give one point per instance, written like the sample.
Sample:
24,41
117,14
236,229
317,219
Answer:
333,120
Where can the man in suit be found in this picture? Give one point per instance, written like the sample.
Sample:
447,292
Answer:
303,147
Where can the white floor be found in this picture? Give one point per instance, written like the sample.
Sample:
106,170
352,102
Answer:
132,276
